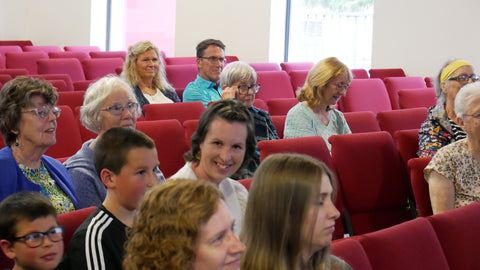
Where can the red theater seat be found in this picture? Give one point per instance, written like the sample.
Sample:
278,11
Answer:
169,138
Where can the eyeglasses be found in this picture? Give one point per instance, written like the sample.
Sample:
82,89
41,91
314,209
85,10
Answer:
464,78
36,239
476,116
43,111
243,88
118,109
341,86
214,60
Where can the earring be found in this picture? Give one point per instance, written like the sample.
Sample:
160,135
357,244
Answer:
198,156
16,142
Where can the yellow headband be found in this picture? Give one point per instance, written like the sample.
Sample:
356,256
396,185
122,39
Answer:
448,70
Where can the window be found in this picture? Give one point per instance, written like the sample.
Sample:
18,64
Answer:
323,28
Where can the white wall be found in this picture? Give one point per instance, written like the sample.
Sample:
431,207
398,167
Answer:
418,36
46,22
421,35
243,26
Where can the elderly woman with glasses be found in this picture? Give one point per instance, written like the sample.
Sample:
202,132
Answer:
453,174
109,102
315,114
241,79
441,127
28,122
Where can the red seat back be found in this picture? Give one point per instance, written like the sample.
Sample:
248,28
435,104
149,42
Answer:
98,67
274,84
70,54
73,99
26,60
108,54
457,231
86,49
65,77
68,135
352,252
279,122
297,78
71,221
265,66
405,247
366,95
420,186
291,66
394,84
46,49
402,119
359,122
181,111
382,73
359,73
375,185
179,76
407,143
190,60
169,137
419,97
281,106
70,66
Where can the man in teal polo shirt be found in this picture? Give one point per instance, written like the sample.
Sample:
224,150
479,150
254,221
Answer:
210,63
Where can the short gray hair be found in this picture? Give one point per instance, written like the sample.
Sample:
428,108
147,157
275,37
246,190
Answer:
237,71
465,98
96,94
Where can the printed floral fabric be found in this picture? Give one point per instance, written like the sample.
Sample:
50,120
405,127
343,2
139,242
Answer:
49,188
457,164
437,131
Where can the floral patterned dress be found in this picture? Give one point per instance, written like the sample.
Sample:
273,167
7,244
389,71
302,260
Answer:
49,188
456,163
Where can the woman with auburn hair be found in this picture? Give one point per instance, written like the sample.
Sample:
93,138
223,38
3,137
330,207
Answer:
315,114
183,224
145,72
290,216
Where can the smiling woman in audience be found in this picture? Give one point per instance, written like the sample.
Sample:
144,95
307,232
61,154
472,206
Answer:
145,72
453,174
315,114
183,224
241,78
223,143
291,216
109,102
28,122
441,127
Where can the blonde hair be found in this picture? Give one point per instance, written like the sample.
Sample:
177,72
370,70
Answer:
318,77
167,224
130,73
279,198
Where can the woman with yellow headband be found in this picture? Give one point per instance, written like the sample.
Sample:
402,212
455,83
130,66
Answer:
441,127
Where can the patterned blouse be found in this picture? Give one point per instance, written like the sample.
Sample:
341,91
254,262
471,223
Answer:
49,188
456,163
437,131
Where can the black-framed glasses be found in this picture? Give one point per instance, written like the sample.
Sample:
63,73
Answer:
36,239
341,86
464,78
117,109
214,60
43,111
243,88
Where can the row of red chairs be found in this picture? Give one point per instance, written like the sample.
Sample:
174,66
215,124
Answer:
445,241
